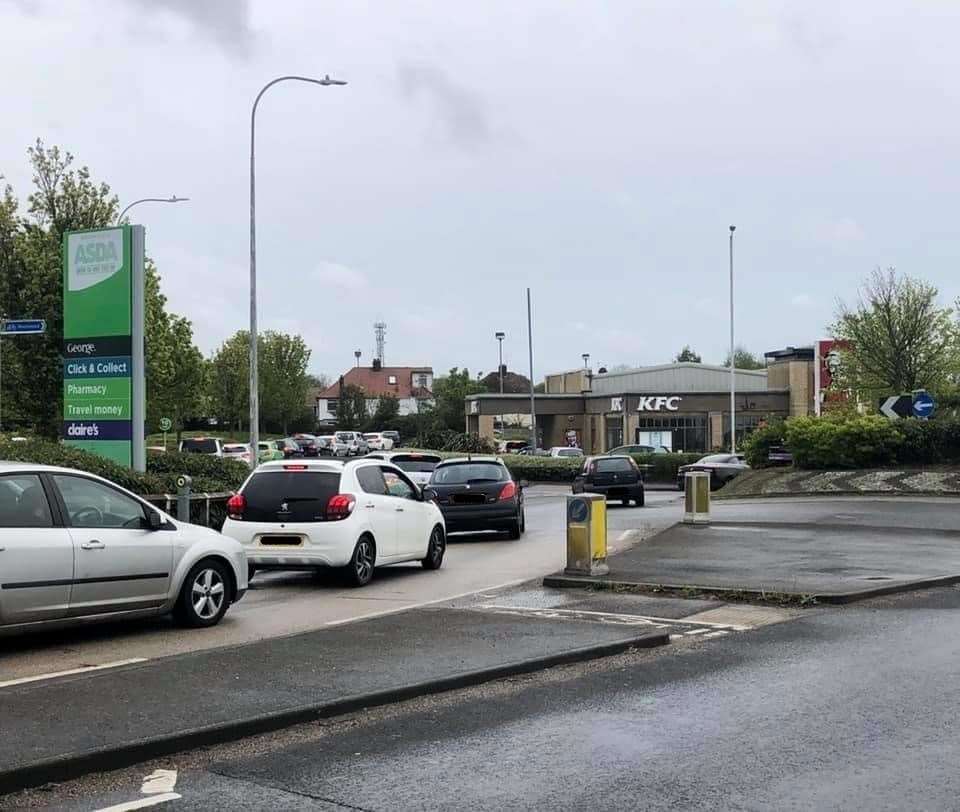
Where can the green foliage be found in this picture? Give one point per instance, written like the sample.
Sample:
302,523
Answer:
663,467
543,469
744,359
282,363
859,442
230,380
929,442
687,355
352,408
513,383
450,393
758,443
900,339
209,473
385,415
471,443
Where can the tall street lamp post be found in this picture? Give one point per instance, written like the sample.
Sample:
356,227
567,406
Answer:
500,336
733,366
533,409
172,199
254,383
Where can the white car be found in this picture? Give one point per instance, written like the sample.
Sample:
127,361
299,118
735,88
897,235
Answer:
237,451
376,441
414,464
211,446
565,451
74,547
354,443
353,515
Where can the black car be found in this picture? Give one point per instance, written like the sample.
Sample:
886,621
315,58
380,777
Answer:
289,448
309,445
721,467
614,477
477,494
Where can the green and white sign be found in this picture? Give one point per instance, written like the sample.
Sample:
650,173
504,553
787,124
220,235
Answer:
165,424
103,382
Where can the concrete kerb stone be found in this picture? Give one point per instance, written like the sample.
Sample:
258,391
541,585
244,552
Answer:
75,765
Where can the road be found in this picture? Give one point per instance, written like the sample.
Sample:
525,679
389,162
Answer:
286,603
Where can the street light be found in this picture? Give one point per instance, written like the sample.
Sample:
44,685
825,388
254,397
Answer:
172,199
254,384
733,366
357,354
586,360
500,336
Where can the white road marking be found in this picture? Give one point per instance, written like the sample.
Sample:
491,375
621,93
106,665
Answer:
666,621
159,782
142,803
82,670
571,614
696,631
714,634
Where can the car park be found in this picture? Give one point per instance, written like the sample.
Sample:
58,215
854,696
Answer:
415,464
75,547
613,477
478,494
565,451
350,515
353,442
237,451
289,448
376,441
721,467
338,448
210,446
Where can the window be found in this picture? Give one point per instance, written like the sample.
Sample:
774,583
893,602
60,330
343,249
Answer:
199,446
614,431
289,496
688,432
371,480
415,463
392,380
23,502
397,485
460,473
422,381
569,452
608,465
332,407
93,504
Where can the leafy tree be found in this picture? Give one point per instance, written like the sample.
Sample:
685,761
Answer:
385,415
229,382
744,359
687,355
513,383
283,363
352,408
318,381
450,392
900,338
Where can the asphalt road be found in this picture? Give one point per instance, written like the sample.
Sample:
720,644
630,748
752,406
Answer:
844,708
287,603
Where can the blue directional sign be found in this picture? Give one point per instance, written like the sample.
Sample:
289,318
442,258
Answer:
923,405
22,327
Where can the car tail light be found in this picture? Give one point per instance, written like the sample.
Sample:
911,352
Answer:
340,506
294,467
509,491
236,504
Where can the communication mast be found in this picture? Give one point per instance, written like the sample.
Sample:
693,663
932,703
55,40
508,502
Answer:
380,331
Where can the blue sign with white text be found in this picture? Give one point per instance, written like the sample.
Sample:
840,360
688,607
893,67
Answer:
22,326
923,405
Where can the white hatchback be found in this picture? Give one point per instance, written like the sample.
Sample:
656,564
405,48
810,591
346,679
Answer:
353,515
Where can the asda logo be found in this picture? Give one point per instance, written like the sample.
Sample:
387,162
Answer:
92,257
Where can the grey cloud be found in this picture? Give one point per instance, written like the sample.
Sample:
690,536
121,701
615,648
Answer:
460,109
226,21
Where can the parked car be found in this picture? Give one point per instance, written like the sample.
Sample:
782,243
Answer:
76,547
237,451
527,451
614,477
511,446
478,493
316,514
414,464
212,446
268,450
376,441
620,450
289,448
778,455
309,444
338,448
354,441
392,435
565,451
721,467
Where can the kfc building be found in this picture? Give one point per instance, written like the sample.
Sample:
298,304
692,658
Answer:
679,406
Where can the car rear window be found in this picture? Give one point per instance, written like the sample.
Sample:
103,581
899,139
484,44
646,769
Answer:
611,464
459,473
305,493
371,436
344,438
234,449
715,458
569,452
415,464
199,446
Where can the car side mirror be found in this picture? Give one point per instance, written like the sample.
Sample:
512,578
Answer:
429,495
154,520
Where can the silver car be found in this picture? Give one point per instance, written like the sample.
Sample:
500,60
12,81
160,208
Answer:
76,547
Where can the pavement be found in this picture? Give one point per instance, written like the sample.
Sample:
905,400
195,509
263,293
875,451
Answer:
832,551
102,719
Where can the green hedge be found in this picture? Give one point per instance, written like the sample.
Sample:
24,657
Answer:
757,445
209,474
663,467
542,469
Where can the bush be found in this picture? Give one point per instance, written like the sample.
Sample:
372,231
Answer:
469,443
757,445
859,442
209,474
542,469
929,441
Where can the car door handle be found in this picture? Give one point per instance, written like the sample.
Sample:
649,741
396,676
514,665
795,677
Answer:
370,506
399,510
93,544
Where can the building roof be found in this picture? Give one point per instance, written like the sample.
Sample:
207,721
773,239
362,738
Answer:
791,354
682,376
375,382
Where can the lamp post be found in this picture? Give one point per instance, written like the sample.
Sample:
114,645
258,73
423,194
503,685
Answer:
733,366
357,354
500,336
254,383
533,410
171,199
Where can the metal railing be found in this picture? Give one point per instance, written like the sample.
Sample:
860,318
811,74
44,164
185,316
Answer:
206,509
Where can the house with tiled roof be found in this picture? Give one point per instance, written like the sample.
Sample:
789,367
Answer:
411,386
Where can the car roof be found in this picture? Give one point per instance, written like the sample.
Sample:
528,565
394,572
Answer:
471,458
326,464
389,455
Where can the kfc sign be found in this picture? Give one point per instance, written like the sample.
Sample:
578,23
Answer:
659,403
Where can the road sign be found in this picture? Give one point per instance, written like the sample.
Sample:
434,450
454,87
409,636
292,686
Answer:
897,406
923,405
166,424
22,327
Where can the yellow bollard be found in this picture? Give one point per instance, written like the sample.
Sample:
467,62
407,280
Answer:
696,494
587,535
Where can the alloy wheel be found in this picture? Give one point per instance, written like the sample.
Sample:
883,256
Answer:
363,562
207,593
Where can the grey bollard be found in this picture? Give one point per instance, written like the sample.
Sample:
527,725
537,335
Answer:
183,497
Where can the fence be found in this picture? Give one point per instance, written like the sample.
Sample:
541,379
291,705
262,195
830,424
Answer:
206,509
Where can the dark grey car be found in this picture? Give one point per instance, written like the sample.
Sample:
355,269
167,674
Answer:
721,467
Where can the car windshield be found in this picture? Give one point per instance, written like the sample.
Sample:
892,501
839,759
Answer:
460,473
415,463
715,458
343,437
569,452
289,496
199,446
609,464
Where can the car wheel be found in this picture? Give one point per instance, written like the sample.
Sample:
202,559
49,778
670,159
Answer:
359,571
435,550
640,499
519,527
204,596
625,502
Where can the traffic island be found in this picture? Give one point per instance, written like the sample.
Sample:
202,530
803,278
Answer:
64,728
798,563
901,481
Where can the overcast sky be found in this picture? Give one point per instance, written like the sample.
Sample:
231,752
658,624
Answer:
596,152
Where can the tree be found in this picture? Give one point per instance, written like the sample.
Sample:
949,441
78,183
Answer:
352,408
513,383
900,339
320,381
385,415
229,381
283,363
744,359
688,356
450,393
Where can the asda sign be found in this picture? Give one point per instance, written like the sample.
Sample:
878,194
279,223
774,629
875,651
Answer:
103,384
